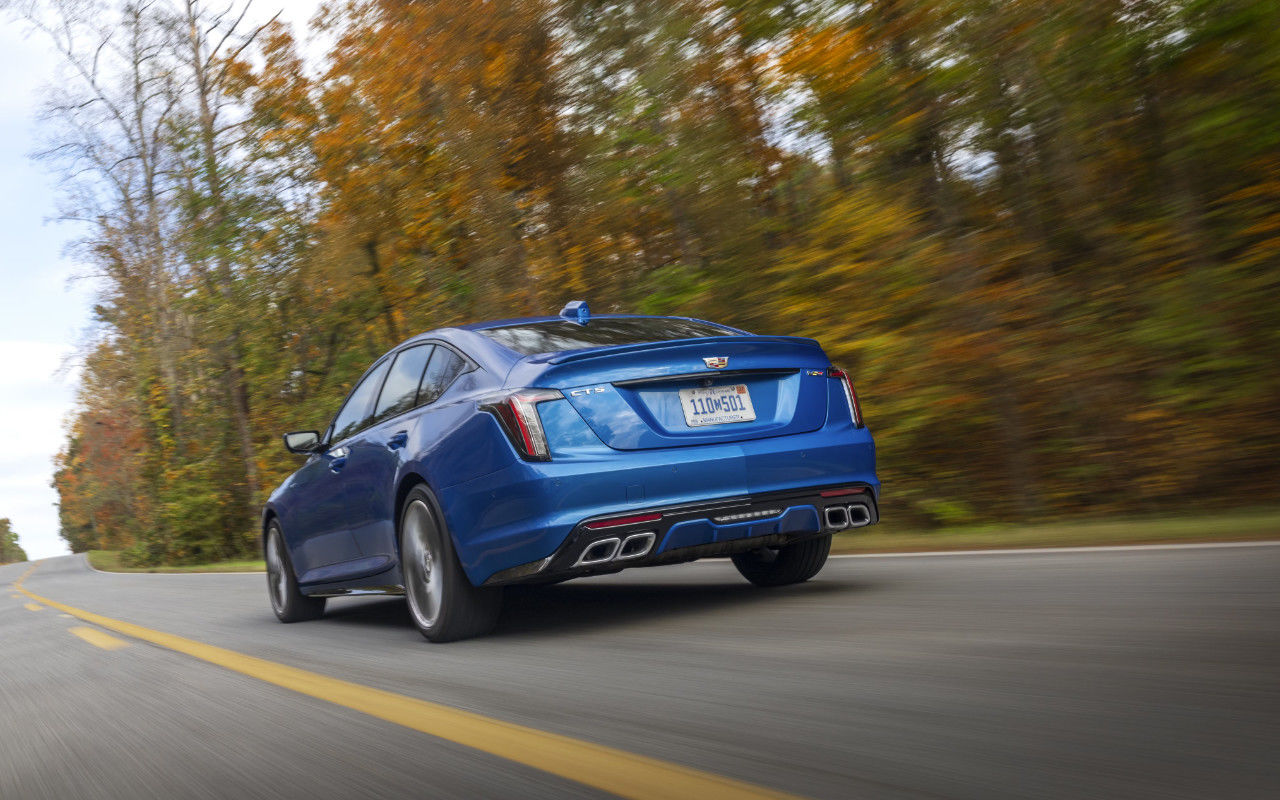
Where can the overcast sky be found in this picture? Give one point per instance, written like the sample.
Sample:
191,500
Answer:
44,313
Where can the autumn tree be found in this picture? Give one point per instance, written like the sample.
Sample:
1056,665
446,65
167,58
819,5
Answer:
1044,235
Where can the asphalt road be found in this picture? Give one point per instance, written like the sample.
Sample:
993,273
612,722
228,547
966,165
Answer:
1111,673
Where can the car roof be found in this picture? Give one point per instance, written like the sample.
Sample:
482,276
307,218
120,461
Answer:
497,357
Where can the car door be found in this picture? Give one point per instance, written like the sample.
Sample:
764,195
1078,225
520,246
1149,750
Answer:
322,534
378,451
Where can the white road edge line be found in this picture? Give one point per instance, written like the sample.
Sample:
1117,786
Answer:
1006,551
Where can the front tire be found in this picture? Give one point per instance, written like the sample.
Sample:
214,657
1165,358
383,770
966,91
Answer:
442,601
289,604
780,566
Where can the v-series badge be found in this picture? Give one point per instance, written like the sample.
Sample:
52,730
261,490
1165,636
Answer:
592,390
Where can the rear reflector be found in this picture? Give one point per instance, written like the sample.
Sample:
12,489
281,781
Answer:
616,521
841,492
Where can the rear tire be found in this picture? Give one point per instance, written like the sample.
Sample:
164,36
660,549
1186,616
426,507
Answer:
289,604
780,566
442,601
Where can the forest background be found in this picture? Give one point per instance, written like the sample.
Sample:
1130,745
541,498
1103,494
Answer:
1044,235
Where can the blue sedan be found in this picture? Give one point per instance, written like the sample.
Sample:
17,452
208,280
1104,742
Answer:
538,450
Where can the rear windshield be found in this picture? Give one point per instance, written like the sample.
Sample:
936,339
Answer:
560,335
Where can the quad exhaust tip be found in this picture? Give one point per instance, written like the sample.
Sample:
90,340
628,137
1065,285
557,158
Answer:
859,515
636,545
599,552
837,517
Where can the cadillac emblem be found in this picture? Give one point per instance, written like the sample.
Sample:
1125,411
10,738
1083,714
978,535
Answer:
716,362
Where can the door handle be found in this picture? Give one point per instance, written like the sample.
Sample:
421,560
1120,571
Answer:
400,439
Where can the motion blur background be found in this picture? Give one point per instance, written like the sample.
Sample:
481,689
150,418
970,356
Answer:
1044,235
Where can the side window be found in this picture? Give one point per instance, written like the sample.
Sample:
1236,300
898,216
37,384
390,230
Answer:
358,409
401,388
444,367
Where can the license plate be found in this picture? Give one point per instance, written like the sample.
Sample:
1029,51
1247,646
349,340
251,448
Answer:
717,405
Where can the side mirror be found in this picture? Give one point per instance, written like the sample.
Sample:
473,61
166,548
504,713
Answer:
302,442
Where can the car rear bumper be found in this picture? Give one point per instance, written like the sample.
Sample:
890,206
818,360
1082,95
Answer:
652,536
529,512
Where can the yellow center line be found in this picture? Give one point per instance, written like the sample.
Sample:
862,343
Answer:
606,768
98,638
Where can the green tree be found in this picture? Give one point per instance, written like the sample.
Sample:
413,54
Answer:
10,551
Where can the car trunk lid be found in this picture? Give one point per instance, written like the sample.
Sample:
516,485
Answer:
690,392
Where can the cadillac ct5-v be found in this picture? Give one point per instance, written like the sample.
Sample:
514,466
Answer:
537,450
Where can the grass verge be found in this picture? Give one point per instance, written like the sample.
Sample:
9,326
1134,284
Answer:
109,561
1235,526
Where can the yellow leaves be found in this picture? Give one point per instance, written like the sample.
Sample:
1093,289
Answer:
830,59
498,65
1149,414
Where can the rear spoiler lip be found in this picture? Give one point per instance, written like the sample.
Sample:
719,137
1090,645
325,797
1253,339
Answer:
728,373
569,357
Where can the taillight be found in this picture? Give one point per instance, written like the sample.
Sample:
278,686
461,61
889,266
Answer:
849,394
518,412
